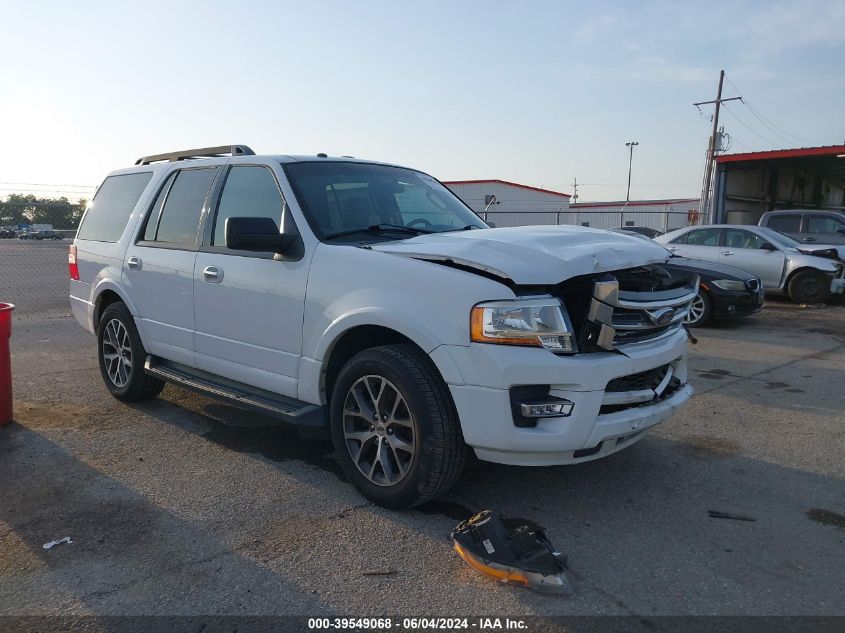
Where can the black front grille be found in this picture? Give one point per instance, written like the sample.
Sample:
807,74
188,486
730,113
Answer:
635,382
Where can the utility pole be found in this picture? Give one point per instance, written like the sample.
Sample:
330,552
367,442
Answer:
711,148
575,192
630,147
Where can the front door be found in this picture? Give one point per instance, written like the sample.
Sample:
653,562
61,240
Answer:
158,267
753,254
249,306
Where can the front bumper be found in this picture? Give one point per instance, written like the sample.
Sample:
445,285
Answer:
484,408
728,303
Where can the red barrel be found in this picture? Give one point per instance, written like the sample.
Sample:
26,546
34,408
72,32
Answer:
5,363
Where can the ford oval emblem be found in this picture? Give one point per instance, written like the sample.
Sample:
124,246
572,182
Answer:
661,316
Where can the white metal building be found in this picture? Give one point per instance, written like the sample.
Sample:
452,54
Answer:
663,215
511,204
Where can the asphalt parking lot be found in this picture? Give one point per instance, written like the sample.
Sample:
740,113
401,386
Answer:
185,506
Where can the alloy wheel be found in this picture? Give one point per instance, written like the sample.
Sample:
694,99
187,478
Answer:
117,353
379,429
696,310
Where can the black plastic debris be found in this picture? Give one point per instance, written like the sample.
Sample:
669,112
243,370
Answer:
718,514
511,550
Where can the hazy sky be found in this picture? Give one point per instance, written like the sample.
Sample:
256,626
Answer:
536,92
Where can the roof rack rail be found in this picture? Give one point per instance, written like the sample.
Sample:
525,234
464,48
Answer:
203,152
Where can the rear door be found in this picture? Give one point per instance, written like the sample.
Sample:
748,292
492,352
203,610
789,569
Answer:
753,254
701,244
158,267
249,306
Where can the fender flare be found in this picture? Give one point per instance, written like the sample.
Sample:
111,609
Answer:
381,317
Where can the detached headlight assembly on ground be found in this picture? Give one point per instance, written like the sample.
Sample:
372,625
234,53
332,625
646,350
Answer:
533,322
729,284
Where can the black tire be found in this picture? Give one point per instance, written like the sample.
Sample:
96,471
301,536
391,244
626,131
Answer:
138,385
701,310
438,456
809,286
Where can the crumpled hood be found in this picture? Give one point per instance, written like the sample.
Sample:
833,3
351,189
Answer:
532,255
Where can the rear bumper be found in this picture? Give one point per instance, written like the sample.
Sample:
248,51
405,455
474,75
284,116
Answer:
82,309
484,405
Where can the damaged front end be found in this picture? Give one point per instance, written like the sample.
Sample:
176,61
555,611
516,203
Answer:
625,307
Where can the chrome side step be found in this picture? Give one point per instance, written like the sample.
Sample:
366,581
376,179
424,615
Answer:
289,410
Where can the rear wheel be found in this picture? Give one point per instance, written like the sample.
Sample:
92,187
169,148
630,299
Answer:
121,355
809,286
395,428
701,310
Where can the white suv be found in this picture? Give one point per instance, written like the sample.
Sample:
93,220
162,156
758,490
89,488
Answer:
367,300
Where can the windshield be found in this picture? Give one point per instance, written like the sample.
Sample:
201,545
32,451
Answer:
363,201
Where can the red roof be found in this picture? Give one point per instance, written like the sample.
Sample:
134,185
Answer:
638,203
504,182
825,150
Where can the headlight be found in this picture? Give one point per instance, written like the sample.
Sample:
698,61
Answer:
729,284
535,322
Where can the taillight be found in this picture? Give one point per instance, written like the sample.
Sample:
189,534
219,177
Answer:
72,266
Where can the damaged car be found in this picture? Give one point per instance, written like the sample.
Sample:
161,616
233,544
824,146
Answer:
366,301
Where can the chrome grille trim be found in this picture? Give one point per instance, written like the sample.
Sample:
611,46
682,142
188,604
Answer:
637,317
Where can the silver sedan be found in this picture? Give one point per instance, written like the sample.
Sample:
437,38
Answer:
808,274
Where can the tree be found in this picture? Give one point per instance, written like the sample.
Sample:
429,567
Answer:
29,209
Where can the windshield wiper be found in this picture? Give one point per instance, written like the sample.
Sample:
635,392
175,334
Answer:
379,228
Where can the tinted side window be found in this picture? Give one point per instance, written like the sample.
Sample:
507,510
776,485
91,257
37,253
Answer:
738,238
110,210
155,212
703,237
823,224
181,213
248,192
785,223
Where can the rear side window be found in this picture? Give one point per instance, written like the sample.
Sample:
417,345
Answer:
249,192
180,216
785,223
110,210
701,237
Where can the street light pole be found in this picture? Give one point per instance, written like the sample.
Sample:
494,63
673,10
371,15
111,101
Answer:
630,147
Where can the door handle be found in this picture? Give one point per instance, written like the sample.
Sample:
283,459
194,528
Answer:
674,249
810,239
727,252
212,274
134,263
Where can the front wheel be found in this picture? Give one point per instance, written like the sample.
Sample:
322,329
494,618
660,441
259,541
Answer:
121,355
700,311
395,428
809,286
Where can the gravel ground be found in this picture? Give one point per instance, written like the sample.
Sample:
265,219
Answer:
186,506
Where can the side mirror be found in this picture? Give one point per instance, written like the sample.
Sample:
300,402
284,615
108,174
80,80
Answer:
766,246
256,234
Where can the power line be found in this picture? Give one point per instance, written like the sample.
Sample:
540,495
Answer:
749,128
18,190
770,125
44,184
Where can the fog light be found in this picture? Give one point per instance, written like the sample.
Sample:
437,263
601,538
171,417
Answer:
551,408
731,309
